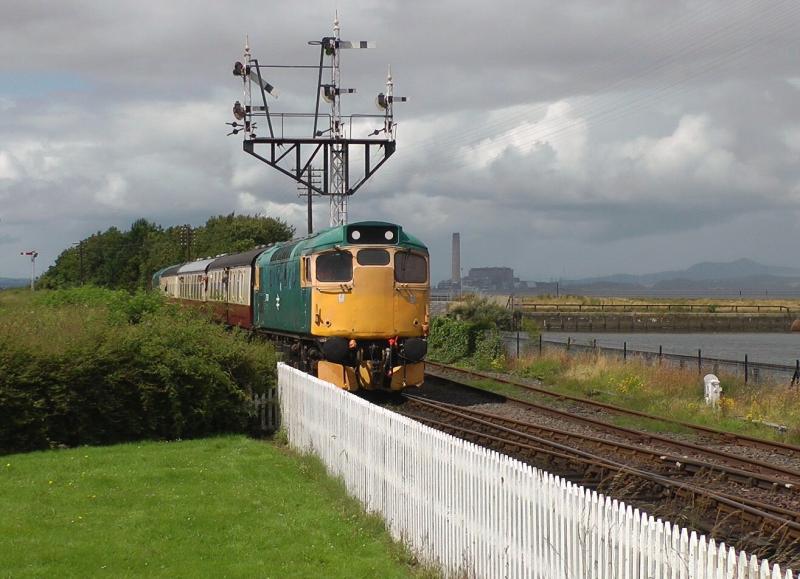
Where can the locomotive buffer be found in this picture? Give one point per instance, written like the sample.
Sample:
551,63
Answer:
333,141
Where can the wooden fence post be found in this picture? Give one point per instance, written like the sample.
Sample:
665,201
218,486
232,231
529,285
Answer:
745,369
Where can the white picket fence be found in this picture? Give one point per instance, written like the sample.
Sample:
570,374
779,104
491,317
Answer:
477,513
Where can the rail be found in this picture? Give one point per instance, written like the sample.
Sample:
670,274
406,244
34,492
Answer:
664,477
721,436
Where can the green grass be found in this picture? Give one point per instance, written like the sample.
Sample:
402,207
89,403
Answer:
228,506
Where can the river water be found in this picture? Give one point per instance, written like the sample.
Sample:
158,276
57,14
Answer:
783,348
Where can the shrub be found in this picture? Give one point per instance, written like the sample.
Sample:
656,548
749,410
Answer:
482,313
490,351
89,366
450,339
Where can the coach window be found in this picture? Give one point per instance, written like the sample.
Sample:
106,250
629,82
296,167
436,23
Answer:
410,268
335,266
373,257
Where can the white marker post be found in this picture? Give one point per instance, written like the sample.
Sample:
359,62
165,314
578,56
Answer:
712,390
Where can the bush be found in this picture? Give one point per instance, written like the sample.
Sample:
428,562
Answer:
89,366
482,313
490,352
450,339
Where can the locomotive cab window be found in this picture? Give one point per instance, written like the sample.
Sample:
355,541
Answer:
410,268
373,257
335,266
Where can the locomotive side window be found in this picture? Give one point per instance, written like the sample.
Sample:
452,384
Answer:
410,268
373,257
335,266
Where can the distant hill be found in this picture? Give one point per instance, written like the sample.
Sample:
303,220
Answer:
741,270
6,282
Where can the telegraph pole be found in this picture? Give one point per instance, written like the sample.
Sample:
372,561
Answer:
186,239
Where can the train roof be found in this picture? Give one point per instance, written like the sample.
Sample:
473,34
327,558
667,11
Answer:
195,266
239,259
369,233
171,270
160,272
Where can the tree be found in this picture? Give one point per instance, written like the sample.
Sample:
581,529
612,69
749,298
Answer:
127,259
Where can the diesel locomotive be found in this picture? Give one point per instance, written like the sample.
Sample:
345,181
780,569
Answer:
350,302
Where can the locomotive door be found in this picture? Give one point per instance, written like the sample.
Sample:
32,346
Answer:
373,292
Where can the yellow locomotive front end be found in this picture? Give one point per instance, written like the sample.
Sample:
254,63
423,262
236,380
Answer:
370,308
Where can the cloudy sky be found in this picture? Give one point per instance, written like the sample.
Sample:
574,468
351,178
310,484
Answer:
563,139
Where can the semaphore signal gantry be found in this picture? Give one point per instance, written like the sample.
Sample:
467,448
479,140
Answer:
292,144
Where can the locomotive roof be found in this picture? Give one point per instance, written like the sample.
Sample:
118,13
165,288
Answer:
335,236
238,259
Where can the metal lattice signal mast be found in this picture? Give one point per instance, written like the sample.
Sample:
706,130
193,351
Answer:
338,185
294,155
33,254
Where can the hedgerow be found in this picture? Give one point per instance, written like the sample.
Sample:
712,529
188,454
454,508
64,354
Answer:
91,366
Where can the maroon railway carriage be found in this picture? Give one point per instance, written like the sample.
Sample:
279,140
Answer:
229,287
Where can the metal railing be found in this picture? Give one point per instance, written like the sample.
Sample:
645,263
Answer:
709,308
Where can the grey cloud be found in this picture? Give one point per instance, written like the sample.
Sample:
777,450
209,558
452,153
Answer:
131,123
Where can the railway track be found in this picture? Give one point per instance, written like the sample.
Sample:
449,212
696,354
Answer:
746,502
734,470
707,434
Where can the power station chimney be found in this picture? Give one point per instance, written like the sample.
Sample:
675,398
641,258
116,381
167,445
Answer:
456,274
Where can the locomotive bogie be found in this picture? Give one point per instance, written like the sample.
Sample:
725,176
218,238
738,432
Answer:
361,377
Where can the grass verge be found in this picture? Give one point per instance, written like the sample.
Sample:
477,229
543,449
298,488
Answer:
227,506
